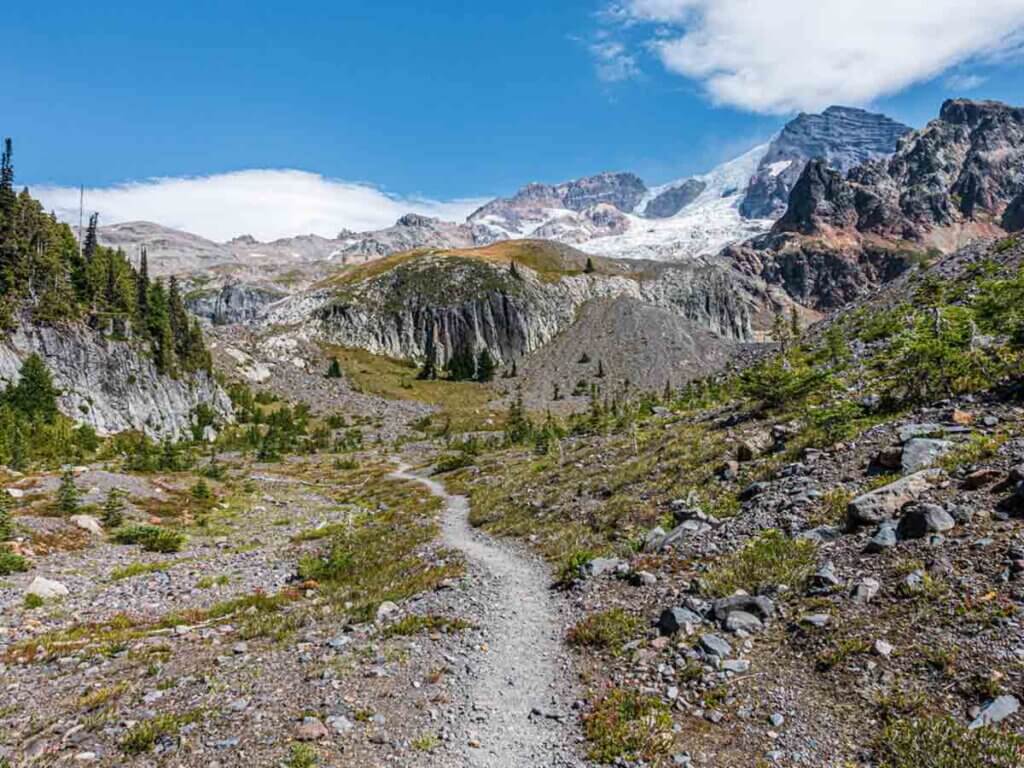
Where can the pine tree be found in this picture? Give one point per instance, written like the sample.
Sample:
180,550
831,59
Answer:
67,494
485,366
91,239
6,525
7,196
113,509
462,365
334,369
34,395
589,268
142,289
584,358
600,369
514,270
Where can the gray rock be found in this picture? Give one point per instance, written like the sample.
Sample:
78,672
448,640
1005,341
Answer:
741,621
996,711
47,589
883,503
736,666
816,619
824,579
674,619
823,534
922,452
908,432
758,605
600,566
652,542
884,538
865,589
715,645
919,520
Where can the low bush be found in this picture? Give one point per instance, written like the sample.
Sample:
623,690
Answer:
152,538
769,560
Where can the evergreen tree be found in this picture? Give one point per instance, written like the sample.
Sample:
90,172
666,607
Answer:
429,370
462,365
113,509
600,369
485,366
91,240
34,395
6,525
589,268
518,427
159,325
334,369
142,288
67,494
584,358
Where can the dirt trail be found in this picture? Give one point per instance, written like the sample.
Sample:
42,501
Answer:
519,696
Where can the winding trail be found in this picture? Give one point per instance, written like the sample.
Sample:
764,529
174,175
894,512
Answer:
520,692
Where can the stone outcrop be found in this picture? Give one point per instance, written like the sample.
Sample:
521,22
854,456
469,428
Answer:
671,201
840,136
233,303
111,385
1013,218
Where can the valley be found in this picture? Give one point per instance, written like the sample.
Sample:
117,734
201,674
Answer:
724,472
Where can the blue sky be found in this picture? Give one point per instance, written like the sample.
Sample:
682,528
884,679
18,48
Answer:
448,100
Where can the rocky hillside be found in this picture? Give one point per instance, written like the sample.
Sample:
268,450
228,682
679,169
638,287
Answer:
510,299
840,136
947,184
112,384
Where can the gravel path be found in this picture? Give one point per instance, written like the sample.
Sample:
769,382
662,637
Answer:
519,694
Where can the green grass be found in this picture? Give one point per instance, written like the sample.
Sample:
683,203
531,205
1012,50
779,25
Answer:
628,725
769,560
33,601
138,569
941,742
213,581
609,630
302,756
414,625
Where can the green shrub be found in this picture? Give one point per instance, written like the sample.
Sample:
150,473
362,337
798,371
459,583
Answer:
608,630
769,560
941,742
414,625
67,493
33,601
572,566
113,509
630,726
6,524
11,563
142,737
152,538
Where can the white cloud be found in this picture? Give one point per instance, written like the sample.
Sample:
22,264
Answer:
266,204
806,54
965,81
613,62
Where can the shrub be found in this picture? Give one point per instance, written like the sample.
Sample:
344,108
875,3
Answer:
574,564
941,742
770,559
6,525
11,563
628,725
152,538
33,601
143,736
609,630
302,755
413,625
453,461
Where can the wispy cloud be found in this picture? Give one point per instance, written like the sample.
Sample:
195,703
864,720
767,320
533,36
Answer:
806,54
613,62
962,82
266,204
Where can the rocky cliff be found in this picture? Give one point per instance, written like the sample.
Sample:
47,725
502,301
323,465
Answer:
233,303
841,136
110,384
435,304
952,182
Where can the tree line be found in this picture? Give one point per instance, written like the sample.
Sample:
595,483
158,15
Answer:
47,277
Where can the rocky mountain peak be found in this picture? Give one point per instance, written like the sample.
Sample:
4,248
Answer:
842,136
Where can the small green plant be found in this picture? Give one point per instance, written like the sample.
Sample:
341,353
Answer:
414,625
201,490
113,509
428,742
574,564
142,737
941,742
629,725
213,581
769,560
608,630
152,538
302,755
11,563
6,524
33,601
334,369
67,494
137,569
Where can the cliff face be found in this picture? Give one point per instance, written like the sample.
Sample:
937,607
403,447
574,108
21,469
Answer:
233,303
435,305
109,384
841,136
954,181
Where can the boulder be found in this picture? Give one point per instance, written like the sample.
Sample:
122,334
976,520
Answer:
674,619
653,539
865,590
741,621
386,610
884,538
16,493
922,452
921,519
760,606
981,478
87,523
715,646
883,503
601,565
910,431
996,711
47,589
